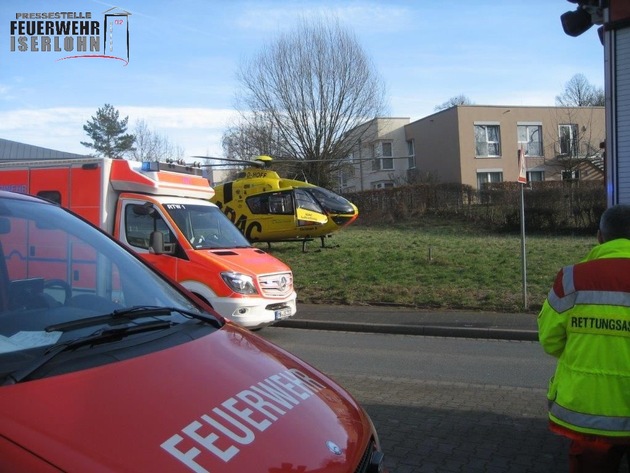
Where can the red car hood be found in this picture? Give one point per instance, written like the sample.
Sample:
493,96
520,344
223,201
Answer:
228,402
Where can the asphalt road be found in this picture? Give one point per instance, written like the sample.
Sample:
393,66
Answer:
442,404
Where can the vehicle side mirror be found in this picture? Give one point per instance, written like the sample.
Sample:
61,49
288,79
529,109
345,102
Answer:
156,243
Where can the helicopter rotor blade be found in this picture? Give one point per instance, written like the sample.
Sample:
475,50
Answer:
228,162
278,160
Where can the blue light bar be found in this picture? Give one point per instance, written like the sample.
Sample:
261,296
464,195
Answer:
150,166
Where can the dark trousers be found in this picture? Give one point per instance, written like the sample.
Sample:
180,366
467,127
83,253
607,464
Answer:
590,457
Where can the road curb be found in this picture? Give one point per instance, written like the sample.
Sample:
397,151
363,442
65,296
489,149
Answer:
426,330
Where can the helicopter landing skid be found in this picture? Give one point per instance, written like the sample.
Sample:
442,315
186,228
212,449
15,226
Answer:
323,240
304,242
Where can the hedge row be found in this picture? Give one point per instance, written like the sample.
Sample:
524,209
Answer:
556,207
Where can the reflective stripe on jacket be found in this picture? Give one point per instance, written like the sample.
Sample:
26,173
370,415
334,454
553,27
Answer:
585,323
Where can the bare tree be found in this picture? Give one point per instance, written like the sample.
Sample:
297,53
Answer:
579,92
247,140
151,146
311,87
251,138
453,102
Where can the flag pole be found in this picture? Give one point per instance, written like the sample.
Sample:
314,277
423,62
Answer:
522,179
523,252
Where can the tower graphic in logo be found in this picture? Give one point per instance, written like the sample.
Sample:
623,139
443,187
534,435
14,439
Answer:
116,34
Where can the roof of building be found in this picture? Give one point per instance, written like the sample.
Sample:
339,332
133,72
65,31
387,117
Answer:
15,151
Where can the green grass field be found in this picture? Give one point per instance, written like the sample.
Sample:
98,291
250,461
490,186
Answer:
429,264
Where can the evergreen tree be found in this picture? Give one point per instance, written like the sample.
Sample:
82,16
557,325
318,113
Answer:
108,133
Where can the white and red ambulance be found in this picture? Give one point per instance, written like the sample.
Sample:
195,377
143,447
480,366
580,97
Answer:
107,365
162,211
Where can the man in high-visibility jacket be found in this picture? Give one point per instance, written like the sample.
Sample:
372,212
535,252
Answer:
585,323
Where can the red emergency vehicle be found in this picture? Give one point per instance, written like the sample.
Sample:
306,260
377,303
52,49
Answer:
162,211
126,372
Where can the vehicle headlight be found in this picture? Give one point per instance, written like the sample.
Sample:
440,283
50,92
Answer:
240,283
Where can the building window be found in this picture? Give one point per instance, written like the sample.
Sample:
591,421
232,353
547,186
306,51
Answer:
382,185
382,153
488,176
535,176
343,179
387,162
411,164
348,163
568,138
571,175
346,170
387,149
487,141
530,139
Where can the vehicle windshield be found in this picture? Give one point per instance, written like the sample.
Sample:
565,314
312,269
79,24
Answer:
205,226
61,279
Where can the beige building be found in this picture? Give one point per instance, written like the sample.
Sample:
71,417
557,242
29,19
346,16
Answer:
379,158
475,144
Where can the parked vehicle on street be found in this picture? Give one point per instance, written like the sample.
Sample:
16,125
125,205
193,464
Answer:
107,365
163,212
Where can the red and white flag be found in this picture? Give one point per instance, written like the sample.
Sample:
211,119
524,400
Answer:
522,168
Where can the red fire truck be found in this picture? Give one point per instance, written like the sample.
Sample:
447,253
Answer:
106,365
162,211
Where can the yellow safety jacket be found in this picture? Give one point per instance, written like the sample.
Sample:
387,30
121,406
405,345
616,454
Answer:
585,323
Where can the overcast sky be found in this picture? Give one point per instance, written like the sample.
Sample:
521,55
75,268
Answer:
183,55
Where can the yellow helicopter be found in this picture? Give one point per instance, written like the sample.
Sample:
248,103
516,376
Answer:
268,208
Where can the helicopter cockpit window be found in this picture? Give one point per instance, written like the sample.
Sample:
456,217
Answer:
279,203
306,201
139,224
258,204
330,201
